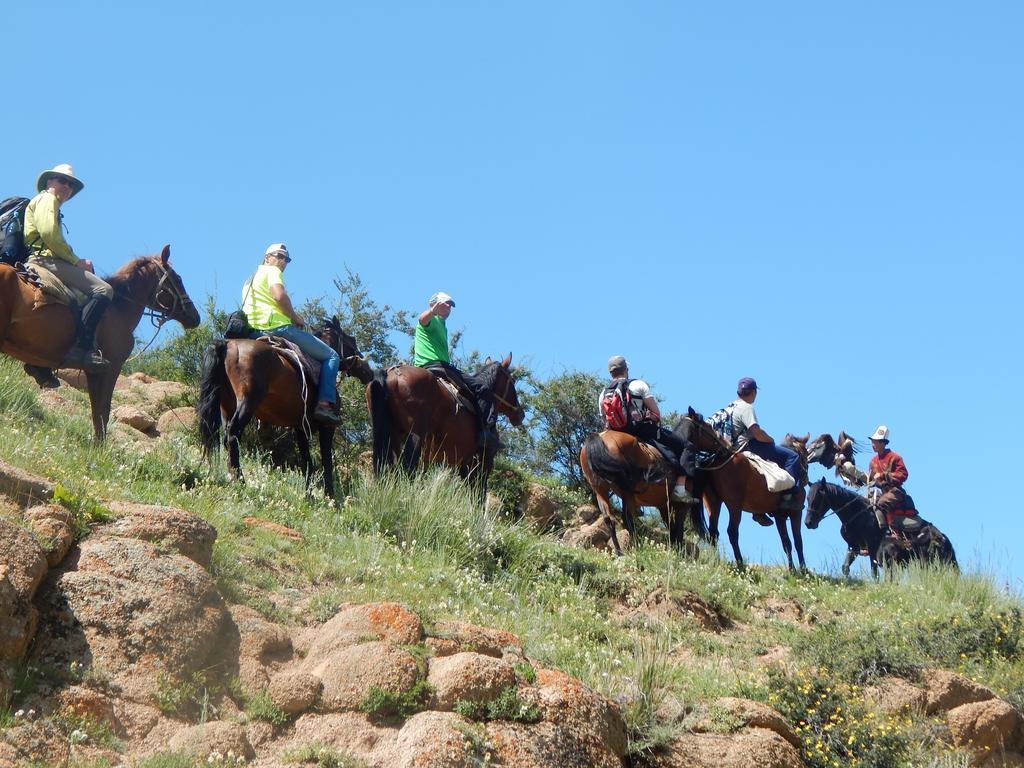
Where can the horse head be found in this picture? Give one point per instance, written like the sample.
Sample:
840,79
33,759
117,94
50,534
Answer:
502,383
817,504
168,298
698,432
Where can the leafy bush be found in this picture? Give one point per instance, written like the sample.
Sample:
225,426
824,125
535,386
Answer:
322,756
262,707
389,704
507,705
834,726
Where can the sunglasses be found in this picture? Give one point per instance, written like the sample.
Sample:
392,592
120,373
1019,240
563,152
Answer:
62,180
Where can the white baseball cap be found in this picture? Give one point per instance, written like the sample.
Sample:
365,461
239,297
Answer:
277,249
440,298
882,433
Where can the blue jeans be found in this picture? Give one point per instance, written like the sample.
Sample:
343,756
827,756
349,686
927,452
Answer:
784,457
329,360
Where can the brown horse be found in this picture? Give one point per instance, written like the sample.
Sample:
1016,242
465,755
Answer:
243,379
732,480
616,462
416,417
42,335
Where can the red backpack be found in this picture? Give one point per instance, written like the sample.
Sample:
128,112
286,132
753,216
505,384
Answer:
617,405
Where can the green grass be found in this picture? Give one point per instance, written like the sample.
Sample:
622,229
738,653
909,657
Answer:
427,543
322,756
384,704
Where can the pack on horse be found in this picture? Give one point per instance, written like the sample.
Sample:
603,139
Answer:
39,334
243,379
839,454
417,417
616,462
864,536
732,480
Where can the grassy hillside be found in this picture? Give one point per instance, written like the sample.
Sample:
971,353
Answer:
426,543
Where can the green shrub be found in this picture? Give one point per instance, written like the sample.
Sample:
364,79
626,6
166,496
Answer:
262,707
167,760
322,756
834,726
389,704
507,705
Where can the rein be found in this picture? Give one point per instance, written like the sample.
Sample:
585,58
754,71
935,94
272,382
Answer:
854,500
154,308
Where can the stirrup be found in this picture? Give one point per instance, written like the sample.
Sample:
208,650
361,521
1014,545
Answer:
87,359
683,496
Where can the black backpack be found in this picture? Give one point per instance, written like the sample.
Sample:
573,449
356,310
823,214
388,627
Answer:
12,230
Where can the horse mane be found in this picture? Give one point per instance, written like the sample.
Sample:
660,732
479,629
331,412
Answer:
120,279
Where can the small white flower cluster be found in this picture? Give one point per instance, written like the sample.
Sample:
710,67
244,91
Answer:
21,713
230,760
78,736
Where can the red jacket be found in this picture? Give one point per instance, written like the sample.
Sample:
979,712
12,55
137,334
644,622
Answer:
890,463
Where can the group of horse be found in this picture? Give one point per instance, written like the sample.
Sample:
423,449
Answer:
617,463
418,418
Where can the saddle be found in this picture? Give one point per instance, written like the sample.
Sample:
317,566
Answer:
455,384
305,365
49,288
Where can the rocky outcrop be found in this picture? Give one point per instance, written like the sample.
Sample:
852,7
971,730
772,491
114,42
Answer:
51,524
990,726
895,696
948,690
169,527
756,746
134,417
471,677
23,488
215,738
177,420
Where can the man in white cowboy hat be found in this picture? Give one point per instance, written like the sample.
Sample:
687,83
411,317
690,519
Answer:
269,310
887,472
46,246
430,350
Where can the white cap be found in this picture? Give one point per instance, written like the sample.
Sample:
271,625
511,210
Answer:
276,249
440,298
882,433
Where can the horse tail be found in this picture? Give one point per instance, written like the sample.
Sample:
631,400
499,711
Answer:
380,418
212,380
698,521
609,468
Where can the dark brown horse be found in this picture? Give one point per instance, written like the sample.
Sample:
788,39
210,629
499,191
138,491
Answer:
243,379
42,335
616,462
415,417
732,480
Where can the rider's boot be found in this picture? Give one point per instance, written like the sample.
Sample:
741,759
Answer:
762,519
790,501
680,494
487,438
83,353
325,414
44,376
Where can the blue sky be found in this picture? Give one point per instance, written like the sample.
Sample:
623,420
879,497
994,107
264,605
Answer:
823,196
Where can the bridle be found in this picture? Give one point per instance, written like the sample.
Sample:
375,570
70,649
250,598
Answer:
509,391
856,497
154,307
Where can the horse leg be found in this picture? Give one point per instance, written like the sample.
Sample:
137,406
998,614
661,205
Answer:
307,461
851,555
735,515
676,522
628,506
327,459
243,414
714,507
601,497
798,538
411,452
101,392
787,545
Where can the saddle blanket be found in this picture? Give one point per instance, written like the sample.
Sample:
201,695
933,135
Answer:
777,478
307,366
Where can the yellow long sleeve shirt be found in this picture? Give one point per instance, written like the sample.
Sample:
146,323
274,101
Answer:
43,235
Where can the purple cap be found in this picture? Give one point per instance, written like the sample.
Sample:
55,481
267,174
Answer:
746,384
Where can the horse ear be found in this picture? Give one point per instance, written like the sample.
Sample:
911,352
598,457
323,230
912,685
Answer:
488,361
690,412
507,361
165,254
805,438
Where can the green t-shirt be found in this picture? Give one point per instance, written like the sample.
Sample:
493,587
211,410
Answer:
431,344
258,303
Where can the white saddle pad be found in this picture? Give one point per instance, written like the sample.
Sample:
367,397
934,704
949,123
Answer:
777,478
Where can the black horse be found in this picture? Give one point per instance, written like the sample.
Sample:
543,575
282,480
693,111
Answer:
863,536
859,528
